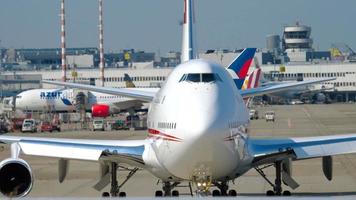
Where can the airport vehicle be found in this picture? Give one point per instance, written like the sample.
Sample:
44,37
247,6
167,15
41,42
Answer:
118,125
196,125
270,116
3,126
29,125
253,114
99,124
49,127
132,121
296,102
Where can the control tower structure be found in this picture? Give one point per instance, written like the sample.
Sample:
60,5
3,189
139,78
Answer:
297,37
296,40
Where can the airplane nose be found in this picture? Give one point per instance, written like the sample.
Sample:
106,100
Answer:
11,103
18,104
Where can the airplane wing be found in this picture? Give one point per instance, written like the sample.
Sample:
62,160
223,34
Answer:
146,96
277,88
270,150
125,151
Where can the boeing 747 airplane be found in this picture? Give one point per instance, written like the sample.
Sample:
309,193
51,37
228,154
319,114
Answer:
196,133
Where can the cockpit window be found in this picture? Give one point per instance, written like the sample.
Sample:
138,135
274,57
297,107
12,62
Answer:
200,77
193,77
18,97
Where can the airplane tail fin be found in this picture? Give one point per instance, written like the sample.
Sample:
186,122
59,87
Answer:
241,65
188,41
253,80
128,81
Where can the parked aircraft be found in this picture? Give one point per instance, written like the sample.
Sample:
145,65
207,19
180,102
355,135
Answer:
294,93
65,100
197,133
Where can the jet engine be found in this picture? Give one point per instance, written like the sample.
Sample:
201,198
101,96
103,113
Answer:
100,110
16,178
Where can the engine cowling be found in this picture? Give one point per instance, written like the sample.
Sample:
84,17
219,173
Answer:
16,178
100,110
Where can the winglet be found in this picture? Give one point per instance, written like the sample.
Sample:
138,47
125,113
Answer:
188,43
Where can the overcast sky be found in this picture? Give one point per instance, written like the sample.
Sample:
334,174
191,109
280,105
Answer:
153,25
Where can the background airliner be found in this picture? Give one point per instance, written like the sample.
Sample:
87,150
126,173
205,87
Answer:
294,93
65,100
197,133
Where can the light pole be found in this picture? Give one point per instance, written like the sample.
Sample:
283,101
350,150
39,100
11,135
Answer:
1,92
0,55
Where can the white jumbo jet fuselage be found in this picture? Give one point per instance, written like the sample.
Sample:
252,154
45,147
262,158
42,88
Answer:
197,127
63,100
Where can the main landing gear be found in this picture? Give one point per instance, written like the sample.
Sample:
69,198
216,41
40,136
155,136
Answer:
115,187
223,190
168,190
277,186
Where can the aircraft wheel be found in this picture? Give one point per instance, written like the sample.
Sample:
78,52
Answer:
270,193
232,193
105,194
216,193
287,193
122,194
159,193
175,193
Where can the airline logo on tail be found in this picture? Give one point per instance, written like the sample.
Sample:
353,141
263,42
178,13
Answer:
241,65
253,79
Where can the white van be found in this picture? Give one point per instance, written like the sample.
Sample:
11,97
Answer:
29,125
270,116
98,124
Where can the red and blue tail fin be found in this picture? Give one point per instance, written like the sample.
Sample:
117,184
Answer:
241,65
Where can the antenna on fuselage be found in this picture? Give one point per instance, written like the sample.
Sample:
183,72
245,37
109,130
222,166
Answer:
188,41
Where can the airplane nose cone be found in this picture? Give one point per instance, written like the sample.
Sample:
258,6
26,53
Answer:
18,104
